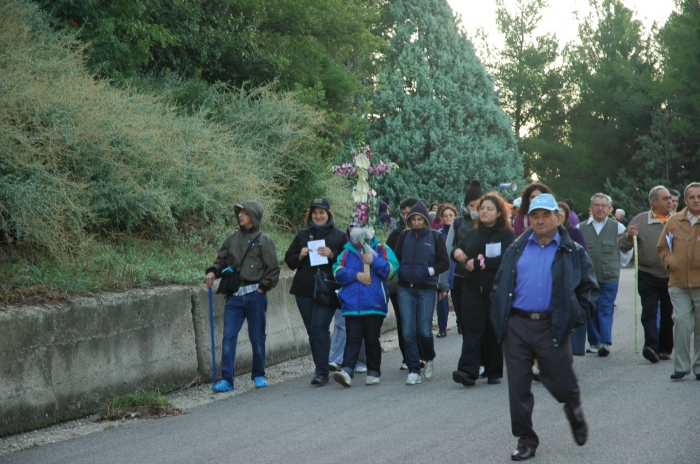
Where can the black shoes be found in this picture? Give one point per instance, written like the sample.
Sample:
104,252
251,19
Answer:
579,427
463,378
697,376
650,355
319,380
441,334
523,453
494,381
678,375
603,350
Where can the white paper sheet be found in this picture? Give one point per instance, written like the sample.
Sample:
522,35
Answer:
493,250
314,258
669,240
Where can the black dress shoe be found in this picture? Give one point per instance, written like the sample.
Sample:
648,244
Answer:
494,381
579,427
650,355
319,380
697,376
441,334
523,453
463,378
678,375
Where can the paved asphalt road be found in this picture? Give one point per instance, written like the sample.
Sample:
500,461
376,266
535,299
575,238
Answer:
635,412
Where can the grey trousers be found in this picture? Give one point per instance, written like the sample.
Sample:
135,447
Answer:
525,341
686,325
338,342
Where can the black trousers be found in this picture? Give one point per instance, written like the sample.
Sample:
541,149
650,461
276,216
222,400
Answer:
654,291
394,297
368,328
525,341
456,295
479,343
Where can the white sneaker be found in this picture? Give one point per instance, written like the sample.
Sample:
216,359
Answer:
429,369
360,369
481,370
371,380
403,367
413,379
342,378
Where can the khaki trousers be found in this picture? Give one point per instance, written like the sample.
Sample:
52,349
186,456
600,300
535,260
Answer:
686,325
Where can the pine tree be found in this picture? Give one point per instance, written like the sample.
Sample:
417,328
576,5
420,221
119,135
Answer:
435,112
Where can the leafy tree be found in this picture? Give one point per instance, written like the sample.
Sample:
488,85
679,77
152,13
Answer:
533,91
613,76
435,112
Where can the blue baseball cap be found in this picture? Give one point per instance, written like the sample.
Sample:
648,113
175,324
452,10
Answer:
544,201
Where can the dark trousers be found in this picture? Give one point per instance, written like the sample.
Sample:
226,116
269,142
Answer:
479,343
652,291
443,312
368,328
456,294
525,341
394,297
317,320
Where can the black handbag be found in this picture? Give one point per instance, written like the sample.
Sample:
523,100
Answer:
231,281
325,288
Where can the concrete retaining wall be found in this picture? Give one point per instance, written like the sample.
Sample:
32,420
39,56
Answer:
65,360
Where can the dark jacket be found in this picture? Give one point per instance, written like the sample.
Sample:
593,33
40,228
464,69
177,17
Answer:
574,287
261,263
459,229
356,298
303,283
474,243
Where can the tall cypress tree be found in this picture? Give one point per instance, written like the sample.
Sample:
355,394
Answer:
435,112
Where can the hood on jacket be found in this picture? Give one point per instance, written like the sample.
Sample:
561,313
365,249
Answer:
421,210
254,209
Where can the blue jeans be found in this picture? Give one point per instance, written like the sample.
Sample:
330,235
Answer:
338,342
251,307
416,306
600,325
317,320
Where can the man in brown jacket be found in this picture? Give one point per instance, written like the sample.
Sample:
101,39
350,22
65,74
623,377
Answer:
682,258
653,276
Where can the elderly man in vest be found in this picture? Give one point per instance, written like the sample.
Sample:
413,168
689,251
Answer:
653,277
601,232
679,250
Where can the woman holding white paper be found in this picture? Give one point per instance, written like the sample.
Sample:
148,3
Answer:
481,251
322,240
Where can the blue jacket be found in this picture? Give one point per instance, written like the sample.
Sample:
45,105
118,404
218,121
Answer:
358,299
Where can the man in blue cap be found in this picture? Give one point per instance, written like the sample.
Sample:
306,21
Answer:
544,288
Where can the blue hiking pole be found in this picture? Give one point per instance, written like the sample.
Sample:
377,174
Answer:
213,344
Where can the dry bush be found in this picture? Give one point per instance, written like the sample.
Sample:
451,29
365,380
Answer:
79,157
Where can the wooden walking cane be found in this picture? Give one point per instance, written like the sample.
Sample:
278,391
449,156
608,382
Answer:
636,292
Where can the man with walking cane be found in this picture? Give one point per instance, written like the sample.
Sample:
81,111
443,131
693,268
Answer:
652,276
248,263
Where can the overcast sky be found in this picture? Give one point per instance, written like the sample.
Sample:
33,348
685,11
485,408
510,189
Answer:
558,17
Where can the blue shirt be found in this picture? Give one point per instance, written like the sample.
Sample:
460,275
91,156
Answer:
533,278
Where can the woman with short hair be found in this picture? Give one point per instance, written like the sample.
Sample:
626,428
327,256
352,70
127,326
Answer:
316,316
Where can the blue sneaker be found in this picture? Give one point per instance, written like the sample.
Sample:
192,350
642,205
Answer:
260,382
222,386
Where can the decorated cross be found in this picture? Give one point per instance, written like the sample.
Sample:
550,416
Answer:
364,196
